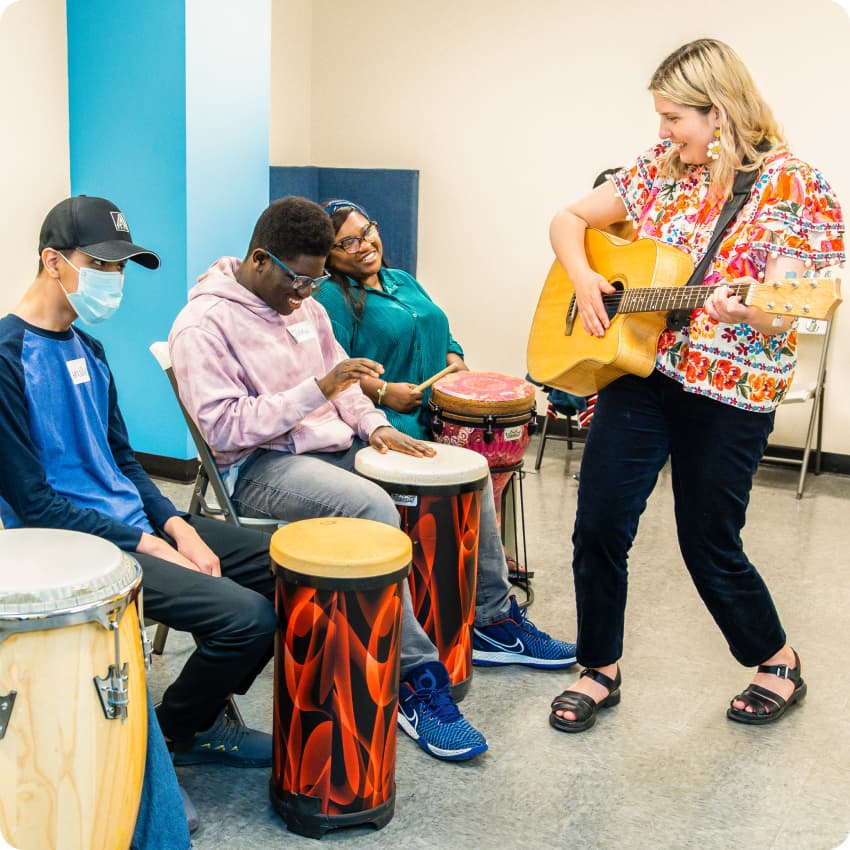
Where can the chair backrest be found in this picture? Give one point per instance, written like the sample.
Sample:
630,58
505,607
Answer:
208,472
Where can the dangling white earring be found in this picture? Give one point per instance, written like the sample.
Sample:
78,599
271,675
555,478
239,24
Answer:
713,151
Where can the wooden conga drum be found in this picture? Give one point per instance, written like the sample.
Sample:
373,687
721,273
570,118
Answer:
73,708
339,605
439,500
488,413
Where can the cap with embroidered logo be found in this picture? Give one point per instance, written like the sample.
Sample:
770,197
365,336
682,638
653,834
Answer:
96,227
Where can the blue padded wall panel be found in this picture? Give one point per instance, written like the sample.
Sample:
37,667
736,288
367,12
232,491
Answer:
390,195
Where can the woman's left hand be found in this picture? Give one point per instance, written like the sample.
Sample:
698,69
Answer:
723,306
386,437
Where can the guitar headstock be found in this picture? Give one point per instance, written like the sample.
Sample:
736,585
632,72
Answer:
807,297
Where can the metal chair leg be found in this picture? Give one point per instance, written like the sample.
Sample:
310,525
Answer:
542,445
159,638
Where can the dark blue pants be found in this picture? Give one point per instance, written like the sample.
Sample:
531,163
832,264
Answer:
232,617
714,450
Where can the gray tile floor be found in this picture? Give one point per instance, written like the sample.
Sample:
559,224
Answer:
665,769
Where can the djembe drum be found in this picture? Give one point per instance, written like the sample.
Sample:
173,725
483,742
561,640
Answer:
489,413
339,605
73,708
439,500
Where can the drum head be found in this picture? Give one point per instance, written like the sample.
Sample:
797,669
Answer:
46,570
482,393
341,553
451,465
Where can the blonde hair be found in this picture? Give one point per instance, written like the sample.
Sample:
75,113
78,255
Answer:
707,74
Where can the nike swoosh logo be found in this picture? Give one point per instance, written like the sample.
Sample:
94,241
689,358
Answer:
516,646
410,718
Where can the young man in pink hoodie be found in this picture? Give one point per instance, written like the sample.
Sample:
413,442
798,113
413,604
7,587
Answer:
279,402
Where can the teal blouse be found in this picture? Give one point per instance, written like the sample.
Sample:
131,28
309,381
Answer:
401,328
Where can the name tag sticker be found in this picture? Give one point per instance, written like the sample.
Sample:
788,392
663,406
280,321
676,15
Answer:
302,331
78,370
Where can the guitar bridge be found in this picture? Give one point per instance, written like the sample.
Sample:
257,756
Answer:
572,313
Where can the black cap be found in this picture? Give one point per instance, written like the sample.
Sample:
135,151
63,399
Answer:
97,227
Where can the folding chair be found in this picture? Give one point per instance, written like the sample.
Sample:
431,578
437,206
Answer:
813,392
208,473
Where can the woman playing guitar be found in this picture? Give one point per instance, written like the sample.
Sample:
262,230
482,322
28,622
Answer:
709,403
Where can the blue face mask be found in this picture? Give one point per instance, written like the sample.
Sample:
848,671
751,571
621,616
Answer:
98,293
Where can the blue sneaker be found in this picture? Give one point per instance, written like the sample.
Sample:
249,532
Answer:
427,712
226,742
516,640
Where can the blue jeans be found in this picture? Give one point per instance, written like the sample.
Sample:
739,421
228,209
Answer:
292,487
161,822
714,450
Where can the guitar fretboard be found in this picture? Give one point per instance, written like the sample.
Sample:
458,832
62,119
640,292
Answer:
651,298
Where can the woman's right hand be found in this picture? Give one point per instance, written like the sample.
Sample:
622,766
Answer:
404,398
589,288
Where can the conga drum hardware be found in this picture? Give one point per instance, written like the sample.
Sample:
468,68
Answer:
7,703
68,612
112,687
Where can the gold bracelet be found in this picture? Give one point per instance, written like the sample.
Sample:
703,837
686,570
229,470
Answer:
379,399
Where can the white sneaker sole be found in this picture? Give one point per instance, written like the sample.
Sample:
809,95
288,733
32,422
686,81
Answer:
500,659
447,755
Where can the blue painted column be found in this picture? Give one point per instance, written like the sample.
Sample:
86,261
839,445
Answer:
169,118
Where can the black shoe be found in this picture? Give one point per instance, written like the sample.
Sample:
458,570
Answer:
226,742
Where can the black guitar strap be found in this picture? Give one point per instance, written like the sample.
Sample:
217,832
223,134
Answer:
679,319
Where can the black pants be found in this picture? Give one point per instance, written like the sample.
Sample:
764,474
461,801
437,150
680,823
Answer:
714,451
232,617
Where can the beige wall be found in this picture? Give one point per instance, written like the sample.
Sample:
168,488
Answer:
34,166
291,91
509,110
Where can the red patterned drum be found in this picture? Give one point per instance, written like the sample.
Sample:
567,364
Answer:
339,606
490,413
439,499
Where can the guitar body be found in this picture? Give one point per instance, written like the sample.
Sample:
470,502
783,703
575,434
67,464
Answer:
563,355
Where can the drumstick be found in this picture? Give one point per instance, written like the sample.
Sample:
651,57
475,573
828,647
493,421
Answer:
425,384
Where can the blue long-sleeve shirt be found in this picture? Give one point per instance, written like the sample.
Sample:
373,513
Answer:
65,457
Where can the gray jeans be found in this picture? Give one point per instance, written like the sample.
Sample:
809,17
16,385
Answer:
292,487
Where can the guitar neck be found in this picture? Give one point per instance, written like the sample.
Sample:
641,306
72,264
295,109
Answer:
651,299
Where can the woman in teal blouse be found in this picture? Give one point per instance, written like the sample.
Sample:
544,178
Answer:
385,314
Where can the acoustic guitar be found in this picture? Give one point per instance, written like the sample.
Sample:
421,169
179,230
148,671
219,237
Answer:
649,277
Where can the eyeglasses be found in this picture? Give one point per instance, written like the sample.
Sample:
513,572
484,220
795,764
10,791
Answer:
351,244
303,284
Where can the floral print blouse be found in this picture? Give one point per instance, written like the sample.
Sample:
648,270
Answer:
792,211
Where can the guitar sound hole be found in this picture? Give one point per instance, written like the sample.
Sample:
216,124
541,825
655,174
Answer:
612,301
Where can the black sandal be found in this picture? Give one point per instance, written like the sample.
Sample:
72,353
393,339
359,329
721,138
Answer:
767,706
583,706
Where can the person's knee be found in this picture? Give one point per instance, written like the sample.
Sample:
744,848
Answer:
250,619
376,504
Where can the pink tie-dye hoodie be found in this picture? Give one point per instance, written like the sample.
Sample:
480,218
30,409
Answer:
247,375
